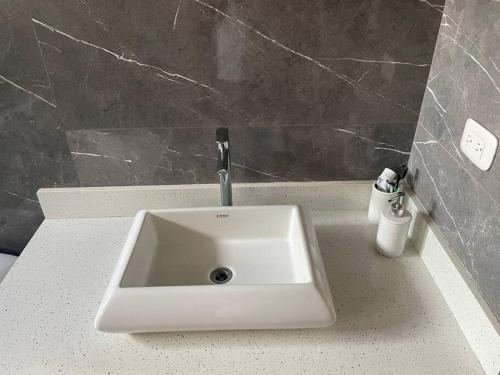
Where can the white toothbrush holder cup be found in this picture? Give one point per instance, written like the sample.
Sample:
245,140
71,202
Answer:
378,201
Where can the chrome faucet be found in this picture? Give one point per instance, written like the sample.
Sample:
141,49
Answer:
224,166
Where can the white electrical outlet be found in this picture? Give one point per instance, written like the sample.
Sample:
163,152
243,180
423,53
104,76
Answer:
478,144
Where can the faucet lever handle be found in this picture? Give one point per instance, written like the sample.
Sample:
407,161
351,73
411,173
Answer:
222,135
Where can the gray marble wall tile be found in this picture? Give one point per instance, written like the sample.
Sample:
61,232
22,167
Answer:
324,89
464,82
21,61
33,153
188,155
30,157
236,63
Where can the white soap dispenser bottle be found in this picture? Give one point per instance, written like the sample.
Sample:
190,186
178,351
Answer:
393,228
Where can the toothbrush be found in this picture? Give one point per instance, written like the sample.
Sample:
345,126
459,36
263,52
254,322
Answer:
402,174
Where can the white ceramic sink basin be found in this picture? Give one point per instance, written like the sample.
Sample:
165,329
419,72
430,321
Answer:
218,268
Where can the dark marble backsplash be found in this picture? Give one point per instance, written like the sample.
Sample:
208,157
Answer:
464,83
119,93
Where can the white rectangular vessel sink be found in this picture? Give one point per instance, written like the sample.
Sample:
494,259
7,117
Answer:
218,268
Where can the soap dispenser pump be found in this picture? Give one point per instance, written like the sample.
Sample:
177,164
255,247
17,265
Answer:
393,227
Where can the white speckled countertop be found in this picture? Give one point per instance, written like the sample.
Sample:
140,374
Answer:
391,317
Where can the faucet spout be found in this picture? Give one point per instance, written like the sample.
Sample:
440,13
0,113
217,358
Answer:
224,166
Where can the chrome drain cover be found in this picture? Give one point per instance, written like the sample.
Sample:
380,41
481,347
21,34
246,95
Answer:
221,275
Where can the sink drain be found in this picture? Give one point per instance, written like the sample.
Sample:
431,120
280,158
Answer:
221,275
